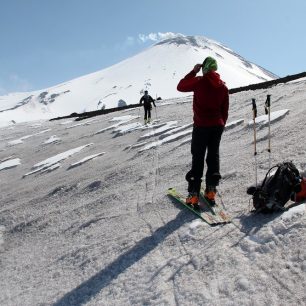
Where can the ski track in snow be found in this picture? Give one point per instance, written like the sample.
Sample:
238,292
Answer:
106,233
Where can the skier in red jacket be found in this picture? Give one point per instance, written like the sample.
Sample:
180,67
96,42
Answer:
210,110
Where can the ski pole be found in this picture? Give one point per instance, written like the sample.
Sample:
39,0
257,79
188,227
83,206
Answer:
139,113
254,108
267,111
155,108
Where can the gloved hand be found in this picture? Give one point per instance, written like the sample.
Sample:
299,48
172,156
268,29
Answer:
197,68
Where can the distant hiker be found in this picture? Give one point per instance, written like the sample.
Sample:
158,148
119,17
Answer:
210,113
146,99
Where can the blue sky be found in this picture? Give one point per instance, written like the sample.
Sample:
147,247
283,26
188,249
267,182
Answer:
46,42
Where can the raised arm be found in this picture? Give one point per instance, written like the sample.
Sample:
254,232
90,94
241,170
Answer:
189,82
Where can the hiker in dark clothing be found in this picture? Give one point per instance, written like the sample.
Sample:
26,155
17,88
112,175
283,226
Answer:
146,99
210,109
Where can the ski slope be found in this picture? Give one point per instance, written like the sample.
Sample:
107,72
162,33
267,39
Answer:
92,225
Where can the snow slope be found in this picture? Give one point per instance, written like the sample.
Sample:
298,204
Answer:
157,69
94,225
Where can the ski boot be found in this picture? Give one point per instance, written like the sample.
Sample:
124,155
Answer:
193,200
210,194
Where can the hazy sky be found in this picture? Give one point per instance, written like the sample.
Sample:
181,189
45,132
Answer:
46,42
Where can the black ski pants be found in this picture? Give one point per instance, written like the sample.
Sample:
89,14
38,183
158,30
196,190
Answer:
205,140
147,111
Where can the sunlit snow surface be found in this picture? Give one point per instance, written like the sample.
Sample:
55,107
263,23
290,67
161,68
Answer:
92,224
7,164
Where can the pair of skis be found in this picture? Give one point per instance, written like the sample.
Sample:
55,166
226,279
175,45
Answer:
211,214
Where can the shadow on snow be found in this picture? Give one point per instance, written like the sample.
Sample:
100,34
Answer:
90,288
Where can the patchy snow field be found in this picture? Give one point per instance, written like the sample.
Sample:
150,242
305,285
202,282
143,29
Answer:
85,220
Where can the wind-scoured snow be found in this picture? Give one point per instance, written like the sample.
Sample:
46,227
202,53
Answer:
121,130
176,130
53,161
274,116
85,160
100,230
80,124
52,139
20,140
11,163
160,130
167,139
232,124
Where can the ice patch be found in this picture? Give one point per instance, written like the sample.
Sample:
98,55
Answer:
274,116
166,140
52,139
49,163
121,130
137,145
166,127
86,159
116,125
233,124
11,163
176,130
20,140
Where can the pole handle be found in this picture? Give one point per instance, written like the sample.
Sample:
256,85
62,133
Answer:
254,108
268,104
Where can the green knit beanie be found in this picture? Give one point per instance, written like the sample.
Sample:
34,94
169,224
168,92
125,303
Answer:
209,64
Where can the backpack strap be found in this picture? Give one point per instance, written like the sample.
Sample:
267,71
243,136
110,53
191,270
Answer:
264,181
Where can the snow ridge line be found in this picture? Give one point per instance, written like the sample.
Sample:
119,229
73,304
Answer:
263,85
267,84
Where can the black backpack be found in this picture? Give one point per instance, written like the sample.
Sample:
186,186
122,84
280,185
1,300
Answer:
276,190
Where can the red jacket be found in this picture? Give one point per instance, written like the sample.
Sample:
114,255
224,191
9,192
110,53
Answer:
301,196
210,99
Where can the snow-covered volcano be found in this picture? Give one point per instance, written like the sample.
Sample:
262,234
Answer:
157,69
